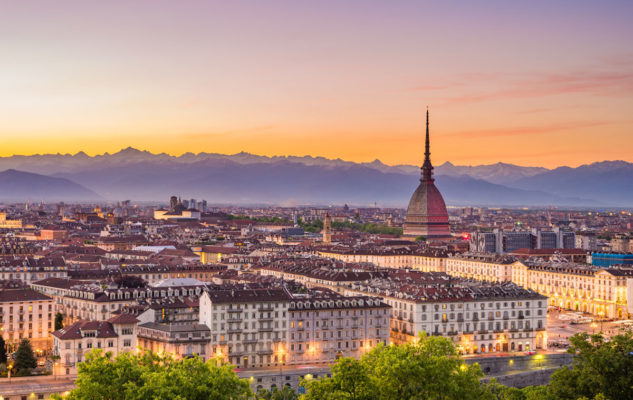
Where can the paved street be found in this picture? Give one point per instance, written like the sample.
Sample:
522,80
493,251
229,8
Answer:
560,330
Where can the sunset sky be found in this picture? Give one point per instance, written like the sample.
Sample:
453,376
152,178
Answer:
543,83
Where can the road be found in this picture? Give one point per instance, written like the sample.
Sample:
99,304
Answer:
559,330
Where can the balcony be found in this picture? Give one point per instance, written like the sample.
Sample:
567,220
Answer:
234,310
266,308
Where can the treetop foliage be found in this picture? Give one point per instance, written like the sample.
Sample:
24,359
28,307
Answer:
429,368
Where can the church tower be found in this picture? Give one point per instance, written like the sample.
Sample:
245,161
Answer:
427,215
327,228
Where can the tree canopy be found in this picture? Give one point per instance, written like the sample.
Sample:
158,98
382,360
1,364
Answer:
427,369
24,358
3,351
600,367
151,376
59,321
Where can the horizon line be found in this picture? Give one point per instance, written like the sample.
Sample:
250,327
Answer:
106,153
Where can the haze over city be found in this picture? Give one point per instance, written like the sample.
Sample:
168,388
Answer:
534,83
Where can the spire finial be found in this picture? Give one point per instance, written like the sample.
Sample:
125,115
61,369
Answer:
427,167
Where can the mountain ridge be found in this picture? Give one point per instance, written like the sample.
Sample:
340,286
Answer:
308,179
20,185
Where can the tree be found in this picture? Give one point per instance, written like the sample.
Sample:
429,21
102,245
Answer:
150,376
430,368
59,321
501,392
599,367
3,351
24,358
130,282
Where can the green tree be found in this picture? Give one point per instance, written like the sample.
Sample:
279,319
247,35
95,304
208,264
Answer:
150,376
599,367
427,369
59,321
3,351
501,392
24,358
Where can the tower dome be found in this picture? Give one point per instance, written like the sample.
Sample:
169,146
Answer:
426,215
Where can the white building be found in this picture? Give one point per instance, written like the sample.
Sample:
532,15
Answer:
249,327
116,335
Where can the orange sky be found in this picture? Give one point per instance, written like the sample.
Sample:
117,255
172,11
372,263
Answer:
545,83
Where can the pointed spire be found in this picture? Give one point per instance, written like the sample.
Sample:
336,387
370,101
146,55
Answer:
427,167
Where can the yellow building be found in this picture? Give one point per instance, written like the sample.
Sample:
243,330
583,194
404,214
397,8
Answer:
601,292
9,223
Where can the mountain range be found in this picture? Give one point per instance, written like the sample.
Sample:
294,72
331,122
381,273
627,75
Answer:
21,186
246,178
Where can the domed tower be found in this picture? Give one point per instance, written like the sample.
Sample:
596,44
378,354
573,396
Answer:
426,215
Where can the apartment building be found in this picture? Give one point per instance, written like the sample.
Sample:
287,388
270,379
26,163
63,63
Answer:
177,340
325,326
427,260
92,302
476,317
249,327
116,335
599,291
482,266
26,314
29,269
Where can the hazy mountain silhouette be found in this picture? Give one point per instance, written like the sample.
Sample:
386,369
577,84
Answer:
611,181
20,186
250,179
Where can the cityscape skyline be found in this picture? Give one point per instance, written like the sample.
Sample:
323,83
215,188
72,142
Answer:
269,79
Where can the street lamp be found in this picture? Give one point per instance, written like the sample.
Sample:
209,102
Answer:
593,327
539,359
281,353
10,367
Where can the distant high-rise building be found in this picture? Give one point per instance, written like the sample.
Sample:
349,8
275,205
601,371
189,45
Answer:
483,242
500,241
545,239
427,215
192,203
173,202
